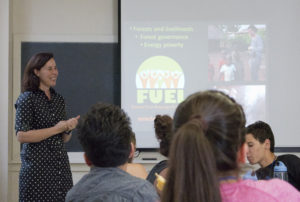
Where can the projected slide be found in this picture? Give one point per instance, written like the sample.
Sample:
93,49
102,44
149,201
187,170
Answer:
170,49
163,63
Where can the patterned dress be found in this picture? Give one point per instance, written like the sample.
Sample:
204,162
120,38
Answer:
45,173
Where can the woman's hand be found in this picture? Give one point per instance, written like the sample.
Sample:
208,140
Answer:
42,134
61,126
72,123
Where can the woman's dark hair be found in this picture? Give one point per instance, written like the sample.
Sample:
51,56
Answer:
30,81
163,132
221,130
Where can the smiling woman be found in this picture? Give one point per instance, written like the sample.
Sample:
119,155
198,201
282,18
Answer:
42,127
47,75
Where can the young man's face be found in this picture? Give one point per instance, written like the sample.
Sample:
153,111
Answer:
256,150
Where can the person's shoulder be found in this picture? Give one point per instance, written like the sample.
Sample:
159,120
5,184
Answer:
274,188
290,157
136,188
159,167
290,160
25,97
136,181
163,163
81,188
262,190
281,189
137,170
145,192
111,184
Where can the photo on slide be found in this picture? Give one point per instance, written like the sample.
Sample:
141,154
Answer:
251,97
237,52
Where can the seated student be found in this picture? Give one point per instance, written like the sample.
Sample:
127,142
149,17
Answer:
104,134
163,133
135,169
260,140
206,151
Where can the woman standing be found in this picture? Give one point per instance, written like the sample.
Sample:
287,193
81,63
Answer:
42,127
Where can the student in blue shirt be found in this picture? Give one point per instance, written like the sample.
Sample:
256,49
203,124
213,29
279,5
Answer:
105,135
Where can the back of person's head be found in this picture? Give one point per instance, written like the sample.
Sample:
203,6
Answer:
210,130
163,132
30,81
261,131
223,120
191,160
104,133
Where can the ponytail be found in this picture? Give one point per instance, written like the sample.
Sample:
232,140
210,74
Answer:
192,166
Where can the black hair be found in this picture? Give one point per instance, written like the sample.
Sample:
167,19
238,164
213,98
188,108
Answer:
262,131
105,135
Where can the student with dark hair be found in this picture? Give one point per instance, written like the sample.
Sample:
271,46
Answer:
105,135
163,133
260,140
42,128
206,152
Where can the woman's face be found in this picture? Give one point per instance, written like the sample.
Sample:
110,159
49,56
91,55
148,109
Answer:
47,74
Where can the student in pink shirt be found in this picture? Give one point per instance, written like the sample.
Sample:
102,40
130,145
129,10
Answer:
206,153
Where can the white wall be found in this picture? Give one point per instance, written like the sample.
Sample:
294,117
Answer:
4,92
71,17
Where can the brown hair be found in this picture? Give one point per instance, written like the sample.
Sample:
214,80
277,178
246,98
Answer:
163,132
30,81
190,162
206,150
